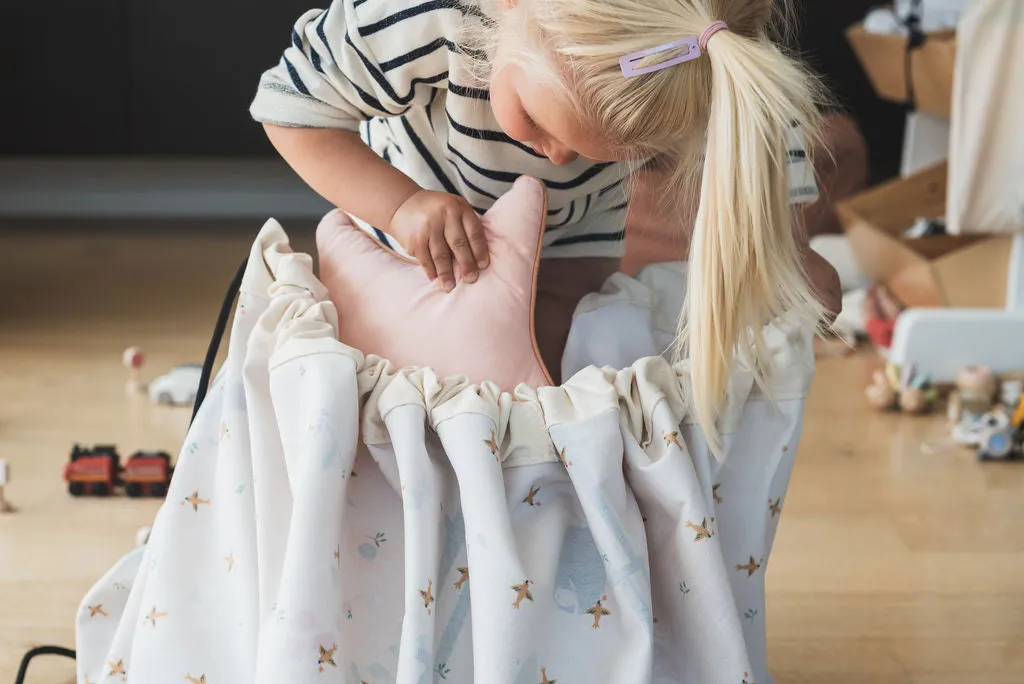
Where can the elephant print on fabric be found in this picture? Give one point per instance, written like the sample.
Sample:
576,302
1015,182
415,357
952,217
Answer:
580,577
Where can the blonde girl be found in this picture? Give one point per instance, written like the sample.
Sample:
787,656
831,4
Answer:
414,115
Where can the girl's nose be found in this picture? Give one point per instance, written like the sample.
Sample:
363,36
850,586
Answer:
561,155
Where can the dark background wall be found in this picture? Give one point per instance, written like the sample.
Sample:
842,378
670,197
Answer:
136,77
823,44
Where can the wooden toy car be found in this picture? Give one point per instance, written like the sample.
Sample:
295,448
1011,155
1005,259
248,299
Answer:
92,470
177,388
147,473
97,471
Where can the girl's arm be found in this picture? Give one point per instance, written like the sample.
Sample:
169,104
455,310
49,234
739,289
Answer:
339,166
327,82
436,228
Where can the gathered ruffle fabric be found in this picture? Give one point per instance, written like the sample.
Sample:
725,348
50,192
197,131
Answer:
335,519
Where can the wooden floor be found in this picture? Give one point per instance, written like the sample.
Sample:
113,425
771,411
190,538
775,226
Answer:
892,566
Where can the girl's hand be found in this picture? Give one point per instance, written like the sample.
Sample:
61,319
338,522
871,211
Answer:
439,229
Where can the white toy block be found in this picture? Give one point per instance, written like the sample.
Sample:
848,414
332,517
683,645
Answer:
939,342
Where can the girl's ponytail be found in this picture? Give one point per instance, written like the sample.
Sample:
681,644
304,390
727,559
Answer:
734,106
745,265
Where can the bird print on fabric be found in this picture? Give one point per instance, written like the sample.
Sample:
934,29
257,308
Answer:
703,530
544,677
463,577
673,438
530,498
561,457
428,596
750,566
492,444
714,492
327,657
201,679
598,611
153,615
775,506
117,669
522,592
194,499
97,610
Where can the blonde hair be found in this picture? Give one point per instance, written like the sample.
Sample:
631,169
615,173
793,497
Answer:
724,118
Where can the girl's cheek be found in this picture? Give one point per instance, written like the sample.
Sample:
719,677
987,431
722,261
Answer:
507,112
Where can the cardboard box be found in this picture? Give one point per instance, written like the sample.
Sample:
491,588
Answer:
884,59
958,271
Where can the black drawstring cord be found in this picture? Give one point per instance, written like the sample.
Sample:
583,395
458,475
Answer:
218,335
38,651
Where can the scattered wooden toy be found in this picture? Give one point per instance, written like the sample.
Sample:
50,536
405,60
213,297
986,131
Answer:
133,359
880,309
177,388
147,473
97,471
5,477
975,393
906,390
1001,434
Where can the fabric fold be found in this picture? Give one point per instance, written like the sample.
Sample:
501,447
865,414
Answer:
308,324
334,518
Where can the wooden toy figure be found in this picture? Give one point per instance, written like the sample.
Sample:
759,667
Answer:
5,472
881,393
133,358
905,389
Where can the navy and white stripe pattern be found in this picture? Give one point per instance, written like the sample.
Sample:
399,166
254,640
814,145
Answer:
392,71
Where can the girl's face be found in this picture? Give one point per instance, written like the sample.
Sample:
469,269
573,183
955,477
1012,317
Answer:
538,115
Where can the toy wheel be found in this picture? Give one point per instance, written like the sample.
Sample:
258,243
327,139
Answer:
100,489
165,398
76,488
158,489
133,489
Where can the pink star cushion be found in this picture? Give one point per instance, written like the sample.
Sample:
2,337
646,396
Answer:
387,306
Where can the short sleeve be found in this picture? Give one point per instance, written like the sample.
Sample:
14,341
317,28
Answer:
358,60
803,188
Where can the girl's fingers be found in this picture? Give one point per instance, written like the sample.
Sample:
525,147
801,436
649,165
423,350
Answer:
443,264
456,238
477,240
421,252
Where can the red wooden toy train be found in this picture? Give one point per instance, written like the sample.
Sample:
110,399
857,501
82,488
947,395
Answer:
97,471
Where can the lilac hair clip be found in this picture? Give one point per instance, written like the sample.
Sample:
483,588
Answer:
628,62
696,44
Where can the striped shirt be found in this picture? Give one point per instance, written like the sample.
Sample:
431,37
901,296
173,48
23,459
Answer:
393,71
